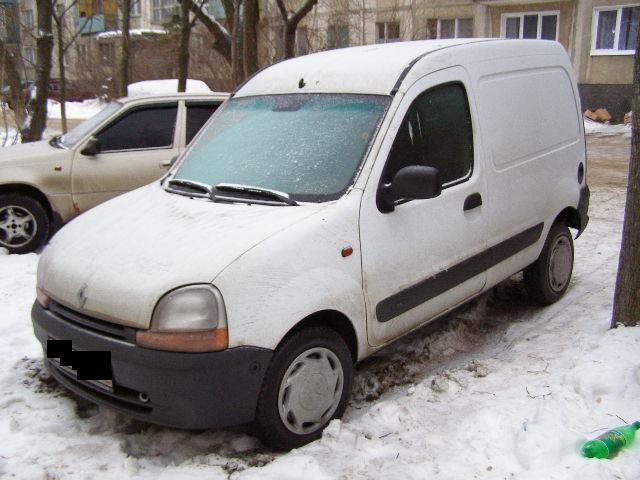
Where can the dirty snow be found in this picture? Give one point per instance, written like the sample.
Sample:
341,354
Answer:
501,389
606,129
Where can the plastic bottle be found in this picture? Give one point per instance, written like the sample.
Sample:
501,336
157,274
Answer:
610,443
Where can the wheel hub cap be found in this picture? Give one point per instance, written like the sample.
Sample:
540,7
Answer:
17,226
310,390
560,264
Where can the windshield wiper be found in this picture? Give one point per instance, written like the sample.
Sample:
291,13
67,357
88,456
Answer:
264,192
201,189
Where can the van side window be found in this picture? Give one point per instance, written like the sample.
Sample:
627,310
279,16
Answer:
436,132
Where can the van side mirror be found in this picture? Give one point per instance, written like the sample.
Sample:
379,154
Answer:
91,148
415,182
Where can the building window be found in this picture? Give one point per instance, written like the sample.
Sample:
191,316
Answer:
615,30
388,32
27,19
29,56
107,53
163,11
449,28
337,36
536,25
135,8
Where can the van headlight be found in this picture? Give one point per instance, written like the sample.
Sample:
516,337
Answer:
188,319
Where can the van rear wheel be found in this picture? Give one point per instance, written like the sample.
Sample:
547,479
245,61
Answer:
24,223
547,279
306,386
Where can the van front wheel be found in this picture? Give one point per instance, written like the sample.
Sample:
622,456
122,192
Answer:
548,277
307,385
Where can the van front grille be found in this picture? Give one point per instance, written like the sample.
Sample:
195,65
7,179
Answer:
77,319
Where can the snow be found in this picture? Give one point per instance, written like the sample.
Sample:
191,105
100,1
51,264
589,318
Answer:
606,129
159,87
8,137
134,32
499,389
76,110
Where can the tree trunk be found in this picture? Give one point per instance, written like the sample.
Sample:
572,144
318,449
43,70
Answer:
44,48
124,54
11,77
183,51
290,40
237,70
626,302
250,37
291,24
63,79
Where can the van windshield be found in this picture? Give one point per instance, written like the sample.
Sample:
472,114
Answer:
306,145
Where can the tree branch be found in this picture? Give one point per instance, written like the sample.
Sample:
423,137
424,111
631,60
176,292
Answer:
222,38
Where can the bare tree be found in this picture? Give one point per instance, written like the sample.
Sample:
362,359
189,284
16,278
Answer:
186,25
60,19
291,21
123,71
250,37
626,303
44,48
221,36
13,117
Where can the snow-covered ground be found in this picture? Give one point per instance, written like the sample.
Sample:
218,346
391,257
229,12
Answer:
79,110
605,129
501,389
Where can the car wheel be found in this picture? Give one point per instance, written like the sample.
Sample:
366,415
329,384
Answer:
24,223
306,386
548,277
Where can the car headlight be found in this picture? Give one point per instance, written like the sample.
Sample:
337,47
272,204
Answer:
188,319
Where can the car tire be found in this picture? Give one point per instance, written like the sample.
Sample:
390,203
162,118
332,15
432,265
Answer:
24,223
306,385
547,279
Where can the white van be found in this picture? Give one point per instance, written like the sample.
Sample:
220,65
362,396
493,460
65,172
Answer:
336,202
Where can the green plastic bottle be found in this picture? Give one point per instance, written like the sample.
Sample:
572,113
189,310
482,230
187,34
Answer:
610,443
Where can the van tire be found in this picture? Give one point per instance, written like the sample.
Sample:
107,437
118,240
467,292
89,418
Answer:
547,279
24,223
322,353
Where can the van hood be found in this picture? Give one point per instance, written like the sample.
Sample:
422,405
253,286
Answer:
116,261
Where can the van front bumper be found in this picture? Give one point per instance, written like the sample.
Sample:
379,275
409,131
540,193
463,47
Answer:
183,390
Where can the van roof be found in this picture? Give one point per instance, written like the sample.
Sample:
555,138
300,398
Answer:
371,69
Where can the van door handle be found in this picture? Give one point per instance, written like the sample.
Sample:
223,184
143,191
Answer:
472,201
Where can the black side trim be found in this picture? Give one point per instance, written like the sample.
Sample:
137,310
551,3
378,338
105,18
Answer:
439,283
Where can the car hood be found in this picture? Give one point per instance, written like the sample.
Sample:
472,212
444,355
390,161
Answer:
125,254
30,153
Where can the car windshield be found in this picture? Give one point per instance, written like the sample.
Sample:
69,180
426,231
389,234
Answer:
306,145
73,136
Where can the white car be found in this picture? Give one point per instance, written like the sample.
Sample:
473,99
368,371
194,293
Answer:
336,202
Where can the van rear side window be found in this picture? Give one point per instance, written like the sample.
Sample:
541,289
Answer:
436,132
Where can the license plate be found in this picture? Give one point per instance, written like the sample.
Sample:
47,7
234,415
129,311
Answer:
106,385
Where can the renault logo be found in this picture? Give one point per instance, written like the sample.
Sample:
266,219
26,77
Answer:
82,295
